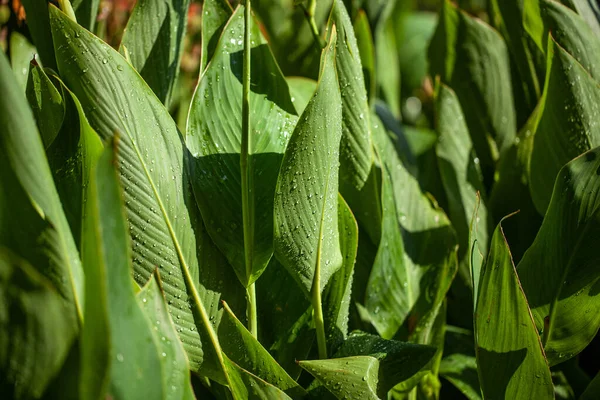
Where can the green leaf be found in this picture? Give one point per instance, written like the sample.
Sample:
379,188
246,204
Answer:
32,220
38,23
366,49
387,66
245,385
472,59
306,238
163,220
86,12
21,54
116,358
174,363
46,103
510,357
154,41
301,90
461,371
242,348
567,124
399,362
337,293
356,154
589,11
347,378
459,170
242,230
37,329
558,272
216,13
592,391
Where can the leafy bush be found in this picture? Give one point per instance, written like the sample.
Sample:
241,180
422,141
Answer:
304,221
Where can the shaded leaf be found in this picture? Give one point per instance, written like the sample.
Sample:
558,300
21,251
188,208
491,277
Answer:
215,17
86,12
461,371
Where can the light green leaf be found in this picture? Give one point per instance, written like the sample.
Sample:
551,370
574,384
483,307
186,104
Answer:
302,90
242,230
337,293
356,153
306,239
36,332
387,66
154,40
559,271
590,11
215,15
21,54
119,357
366,49
46,103
354,378
510,357
246,385
472,59
567,124
163,220
174,363
242,348
32,220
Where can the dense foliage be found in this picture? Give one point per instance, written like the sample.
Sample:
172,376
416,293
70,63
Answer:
300,199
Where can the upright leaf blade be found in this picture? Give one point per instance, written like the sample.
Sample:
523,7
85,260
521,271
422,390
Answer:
154,41
215,17
510,358
226,170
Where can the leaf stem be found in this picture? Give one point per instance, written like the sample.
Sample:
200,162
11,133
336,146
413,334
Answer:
247,177
318,314
309,13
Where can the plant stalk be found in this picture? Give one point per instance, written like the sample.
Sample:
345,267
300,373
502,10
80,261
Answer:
247,176
309,13
318,315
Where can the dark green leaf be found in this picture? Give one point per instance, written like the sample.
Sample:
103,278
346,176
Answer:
86,12
461,371
39,27
216,13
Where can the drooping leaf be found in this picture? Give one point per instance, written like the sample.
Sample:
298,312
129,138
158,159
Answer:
46,103
174,363
510,358
567,124
119,356
243,230
163,220
242,348
356,152
337,293
36,329
458,167
21,54
471,58
559,271
154,41
306,239
32,220
216,13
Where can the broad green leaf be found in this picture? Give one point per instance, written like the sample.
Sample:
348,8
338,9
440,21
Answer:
32,220
459,170
461,371
412,226
301,90
568,30
46,103
72,156
356,152
306,238
38,23
243,230
119,357
567,124
472,59
366,49
21,54
242,348
510,358
559,271
164,222
215,15
337,293
354,378
154,41
86,12
174,363
399,362
36,329
590,11
246,385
